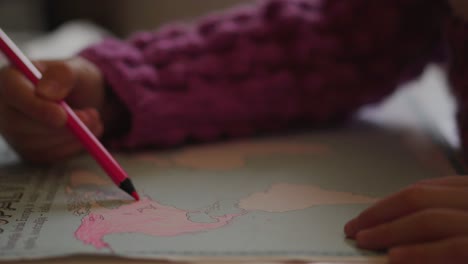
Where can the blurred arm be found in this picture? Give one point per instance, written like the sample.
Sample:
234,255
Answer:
267,67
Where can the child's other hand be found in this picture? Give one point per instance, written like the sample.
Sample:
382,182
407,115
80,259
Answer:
31,120
424,223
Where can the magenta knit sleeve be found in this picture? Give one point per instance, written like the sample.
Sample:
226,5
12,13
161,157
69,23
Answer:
267,66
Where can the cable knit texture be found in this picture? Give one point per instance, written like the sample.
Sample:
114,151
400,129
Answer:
267,66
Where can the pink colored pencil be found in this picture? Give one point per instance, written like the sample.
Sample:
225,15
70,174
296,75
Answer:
89,141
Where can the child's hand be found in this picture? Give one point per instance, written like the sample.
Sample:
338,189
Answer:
424,223
34,124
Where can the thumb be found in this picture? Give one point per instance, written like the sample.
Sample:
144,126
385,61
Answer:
91,118
58,80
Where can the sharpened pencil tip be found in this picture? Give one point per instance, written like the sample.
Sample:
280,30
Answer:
128,187
136,196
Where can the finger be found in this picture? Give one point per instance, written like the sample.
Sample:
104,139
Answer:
71,148
92,119
46,148
17,123
55,154
453,251
90,82
67,146
452,181
424,226
18,92
407,201
53,140
57,81
38,144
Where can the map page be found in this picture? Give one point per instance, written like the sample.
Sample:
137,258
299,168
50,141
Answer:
276,198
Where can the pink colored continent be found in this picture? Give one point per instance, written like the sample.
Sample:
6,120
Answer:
146,217
284,197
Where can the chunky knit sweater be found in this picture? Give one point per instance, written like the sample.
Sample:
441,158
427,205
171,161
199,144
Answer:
272,65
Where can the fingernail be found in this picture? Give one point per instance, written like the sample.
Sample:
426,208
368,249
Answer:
93,113
64,115
421,182
100,130
362,238
50,89
350,228
54,87
396,255
55,116
84,117
41,66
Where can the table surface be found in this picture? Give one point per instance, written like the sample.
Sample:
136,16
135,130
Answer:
429,93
